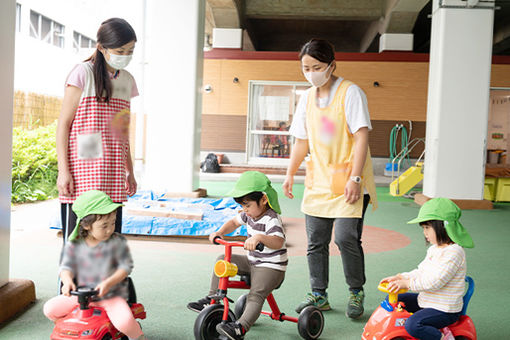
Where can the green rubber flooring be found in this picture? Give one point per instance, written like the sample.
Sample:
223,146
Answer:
169,274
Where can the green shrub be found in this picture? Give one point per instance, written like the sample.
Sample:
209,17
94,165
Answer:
34,164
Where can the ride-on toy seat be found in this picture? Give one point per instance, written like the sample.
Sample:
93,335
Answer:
388,320
310,321
92,323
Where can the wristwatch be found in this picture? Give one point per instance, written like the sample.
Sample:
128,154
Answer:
355,179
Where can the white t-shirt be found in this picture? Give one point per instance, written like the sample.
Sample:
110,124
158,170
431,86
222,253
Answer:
356,110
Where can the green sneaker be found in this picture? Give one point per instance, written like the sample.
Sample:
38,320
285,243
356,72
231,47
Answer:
355,305
319,301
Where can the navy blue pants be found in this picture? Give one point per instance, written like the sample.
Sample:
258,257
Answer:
425,323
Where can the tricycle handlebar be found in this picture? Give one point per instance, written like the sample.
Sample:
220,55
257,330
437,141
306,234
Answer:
219,240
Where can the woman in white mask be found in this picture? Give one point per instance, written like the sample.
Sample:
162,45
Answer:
331,125
92,146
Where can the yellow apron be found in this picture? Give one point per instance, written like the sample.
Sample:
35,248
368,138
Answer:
328,167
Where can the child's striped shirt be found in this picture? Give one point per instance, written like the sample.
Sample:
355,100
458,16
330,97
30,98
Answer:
439,278
269,224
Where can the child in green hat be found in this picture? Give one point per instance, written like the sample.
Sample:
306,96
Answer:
98,258
439,278
267,268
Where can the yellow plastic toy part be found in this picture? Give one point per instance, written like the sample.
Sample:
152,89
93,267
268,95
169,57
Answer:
392,297
407,180
224,268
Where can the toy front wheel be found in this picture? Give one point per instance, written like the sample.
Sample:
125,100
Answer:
207,319
310,323
106,337
240,306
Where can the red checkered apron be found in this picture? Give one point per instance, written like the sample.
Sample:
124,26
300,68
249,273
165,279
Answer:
107,172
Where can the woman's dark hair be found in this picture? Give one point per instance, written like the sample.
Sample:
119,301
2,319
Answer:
320,49
441,234
255,196
113,33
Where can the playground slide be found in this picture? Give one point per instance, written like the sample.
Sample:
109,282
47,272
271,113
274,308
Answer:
407,180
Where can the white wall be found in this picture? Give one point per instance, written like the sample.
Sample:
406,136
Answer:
458,101
7,27
175,38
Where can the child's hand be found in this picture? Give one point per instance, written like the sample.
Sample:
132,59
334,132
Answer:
103,288
212,236
396,285
391,278
67,287
251,242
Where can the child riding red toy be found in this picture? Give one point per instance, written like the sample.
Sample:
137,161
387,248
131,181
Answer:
310,321
388,320
91,322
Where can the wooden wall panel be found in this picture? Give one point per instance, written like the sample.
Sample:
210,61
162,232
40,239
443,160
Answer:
402,94
223,133
228,133
500,76
212,76
379,137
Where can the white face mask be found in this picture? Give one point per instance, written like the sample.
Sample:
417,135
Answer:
118,61
318,78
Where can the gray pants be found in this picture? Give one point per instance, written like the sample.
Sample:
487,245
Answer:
263,281
347,238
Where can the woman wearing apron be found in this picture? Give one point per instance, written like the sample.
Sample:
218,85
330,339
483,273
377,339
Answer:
331,126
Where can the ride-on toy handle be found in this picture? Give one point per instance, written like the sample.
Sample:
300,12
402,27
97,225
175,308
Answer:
219,240
84,294
392,297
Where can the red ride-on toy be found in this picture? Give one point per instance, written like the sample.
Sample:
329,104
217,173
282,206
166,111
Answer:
92,323
388,320
310,321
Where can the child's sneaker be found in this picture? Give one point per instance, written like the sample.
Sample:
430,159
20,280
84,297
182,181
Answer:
197,306
314,299
355,305
232,330
447,334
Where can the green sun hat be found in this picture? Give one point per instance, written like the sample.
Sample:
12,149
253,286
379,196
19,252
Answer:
251,181
91,202
443,209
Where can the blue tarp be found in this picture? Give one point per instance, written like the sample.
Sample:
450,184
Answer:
215,213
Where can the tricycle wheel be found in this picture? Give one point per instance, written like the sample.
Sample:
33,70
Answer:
310,323
106,337
207,319
240,306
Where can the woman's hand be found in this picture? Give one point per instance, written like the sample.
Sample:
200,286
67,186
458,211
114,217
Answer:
287,186
65,183
352,192
131,184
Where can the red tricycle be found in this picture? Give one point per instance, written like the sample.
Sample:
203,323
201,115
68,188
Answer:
92,323
310,321
388,320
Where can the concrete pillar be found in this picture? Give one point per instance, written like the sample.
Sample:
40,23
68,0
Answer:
7,34
174,54
458,100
